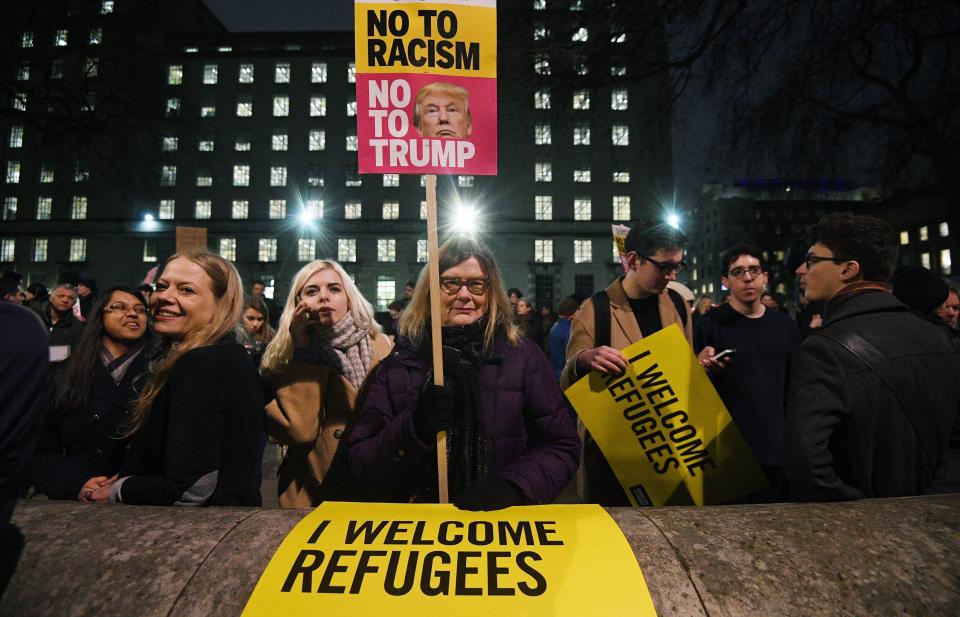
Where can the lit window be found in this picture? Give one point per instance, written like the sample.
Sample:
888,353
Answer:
106,7
240,209
944,230
167,208
423,181
581,209
618,38
580,35
618,71
168,175
543,207
306,249
581,99
8,249
423,210
281,106
543,172
40,249
581,135
351,143
19,101
16,137
46,173
244,106
315,175
13,172
621,177
386,292
317,141
619,99
543,251
26,39
278,175
56,69
175,75
242,142
541,99
924,234
539,5
946,265
541,64
228,248
80,172
44,208
246,74
281,73
204,177
225,49
540,32
95,37
60,38
386,249
278,208
318,106
351,177
78,249
581,175
205,143
351,73
351,210
925,260
422,251
465,182
315,208
241,175
351,109
278,143
318,73
347,249
904,238
149,250
621,207
9,208
209,74
391,180
582,69
170,144
391,210
173,107
620,133
582,251
23,71
541,134
576,5
203,209
90,102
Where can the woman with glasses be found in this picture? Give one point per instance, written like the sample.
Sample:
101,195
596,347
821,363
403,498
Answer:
315,370
197,425
510,437
80,446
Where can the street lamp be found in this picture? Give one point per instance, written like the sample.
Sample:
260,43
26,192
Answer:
673,220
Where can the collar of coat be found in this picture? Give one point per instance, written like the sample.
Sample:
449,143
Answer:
407,351
873,301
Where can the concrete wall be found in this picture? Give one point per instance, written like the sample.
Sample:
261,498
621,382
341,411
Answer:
878,557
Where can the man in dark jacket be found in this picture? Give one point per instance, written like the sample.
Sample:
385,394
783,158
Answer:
63,327
847,436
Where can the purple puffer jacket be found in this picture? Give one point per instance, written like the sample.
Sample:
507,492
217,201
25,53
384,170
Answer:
531,439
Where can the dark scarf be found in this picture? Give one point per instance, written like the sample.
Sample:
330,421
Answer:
463,353
853,290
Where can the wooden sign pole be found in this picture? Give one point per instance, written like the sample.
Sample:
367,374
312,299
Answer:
433,265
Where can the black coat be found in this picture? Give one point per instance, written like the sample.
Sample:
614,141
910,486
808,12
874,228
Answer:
81,443
846,436
203,432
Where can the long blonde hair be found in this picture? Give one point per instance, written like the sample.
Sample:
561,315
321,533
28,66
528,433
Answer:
415,320
280,350
228,291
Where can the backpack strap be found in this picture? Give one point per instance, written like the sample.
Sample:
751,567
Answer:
896,381
601,318
680,305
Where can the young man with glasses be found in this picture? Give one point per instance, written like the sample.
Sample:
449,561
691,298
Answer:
874,394
752,381
639,305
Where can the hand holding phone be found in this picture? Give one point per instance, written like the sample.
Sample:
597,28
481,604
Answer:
726,353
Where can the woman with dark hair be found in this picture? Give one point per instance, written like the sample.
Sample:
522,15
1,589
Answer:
511,439
80,448
255,330
198,423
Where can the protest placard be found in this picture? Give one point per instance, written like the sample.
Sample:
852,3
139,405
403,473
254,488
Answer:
663,428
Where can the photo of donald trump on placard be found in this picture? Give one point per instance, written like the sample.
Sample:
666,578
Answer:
442,109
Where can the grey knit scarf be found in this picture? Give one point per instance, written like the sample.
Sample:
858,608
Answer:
346,349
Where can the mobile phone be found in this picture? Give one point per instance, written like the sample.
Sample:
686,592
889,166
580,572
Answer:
723,354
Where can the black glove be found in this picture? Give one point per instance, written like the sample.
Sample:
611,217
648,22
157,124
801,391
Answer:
490,493
435,412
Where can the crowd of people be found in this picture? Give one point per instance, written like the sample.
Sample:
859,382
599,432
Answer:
169,395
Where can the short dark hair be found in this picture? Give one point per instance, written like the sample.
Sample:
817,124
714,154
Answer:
146,287
738,251
870,241
396,305
567,307
647,239
514,291
411,284
257,282
8,286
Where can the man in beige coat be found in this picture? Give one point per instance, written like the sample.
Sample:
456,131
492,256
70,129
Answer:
640,305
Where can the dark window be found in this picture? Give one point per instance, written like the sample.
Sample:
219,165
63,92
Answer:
583,284
544,290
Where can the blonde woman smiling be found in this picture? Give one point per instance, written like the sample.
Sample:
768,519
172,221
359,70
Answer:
315,370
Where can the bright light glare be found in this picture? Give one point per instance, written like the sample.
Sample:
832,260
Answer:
148,218
306,217
673,221
466,220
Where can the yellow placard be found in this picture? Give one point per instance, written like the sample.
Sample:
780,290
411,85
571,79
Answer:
432,559
663,428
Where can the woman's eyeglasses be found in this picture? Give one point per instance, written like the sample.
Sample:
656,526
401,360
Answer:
451,285
123,309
